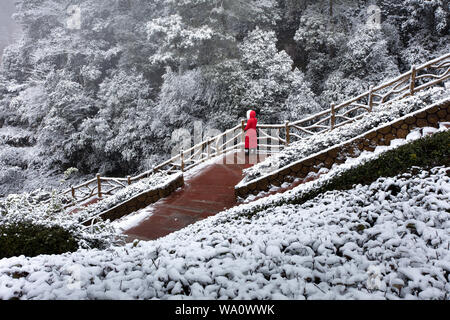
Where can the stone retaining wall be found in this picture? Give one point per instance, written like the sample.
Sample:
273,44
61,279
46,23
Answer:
399,129
140,201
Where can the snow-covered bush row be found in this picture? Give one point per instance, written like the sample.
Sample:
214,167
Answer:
386,240
15,137
32,208
157,180
312,144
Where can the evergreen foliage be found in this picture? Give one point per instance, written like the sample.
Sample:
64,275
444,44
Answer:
105,92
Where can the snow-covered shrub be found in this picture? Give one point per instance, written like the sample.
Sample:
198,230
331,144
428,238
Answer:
66,108
367,56
339,88
320,41
301,101
33,209
268,74
314,34
29,105
154,181
121,130
425,153
434,14
11,179
180,44
184,98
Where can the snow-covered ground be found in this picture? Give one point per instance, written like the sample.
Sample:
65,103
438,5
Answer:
132,220
386,240
30,208
363,243
352,162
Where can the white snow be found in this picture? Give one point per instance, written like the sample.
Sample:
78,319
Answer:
365,243
327,248
311,145
155,181
132,220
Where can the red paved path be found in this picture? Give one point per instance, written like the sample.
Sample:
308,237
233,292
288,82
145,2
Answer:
205,194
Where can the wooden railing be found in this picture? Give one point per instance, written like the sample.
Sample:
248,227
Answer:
436,71
273,137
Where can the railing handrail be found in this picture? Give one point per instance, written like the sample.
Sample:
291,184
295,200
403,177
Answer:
331,114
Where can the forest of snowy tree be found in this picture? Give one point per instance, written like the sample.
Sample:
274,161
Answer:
9,30
101,85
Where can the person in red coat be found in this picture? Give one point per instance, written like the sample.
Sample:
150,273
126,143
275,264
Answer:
251,139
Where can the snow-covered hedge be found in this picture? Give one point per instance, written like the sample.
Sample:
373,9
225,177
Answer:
423,147
385,240
31,240
29,210
313,144
364,243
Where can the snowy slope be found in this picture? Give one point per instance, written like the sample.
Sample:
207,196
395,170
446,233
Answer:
387,240
313,144
363,243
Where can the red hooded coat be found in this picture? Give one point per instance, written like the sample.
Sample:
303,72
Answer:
251,139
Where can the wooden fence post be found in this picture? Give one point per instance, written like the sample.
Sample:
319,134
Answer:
73,191
129,180
412,80
99,185
182,160
333,117
243,133
370,98
288,135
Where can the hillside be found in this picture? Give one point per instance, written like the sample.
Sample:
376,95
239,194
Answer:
109,86
385,239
